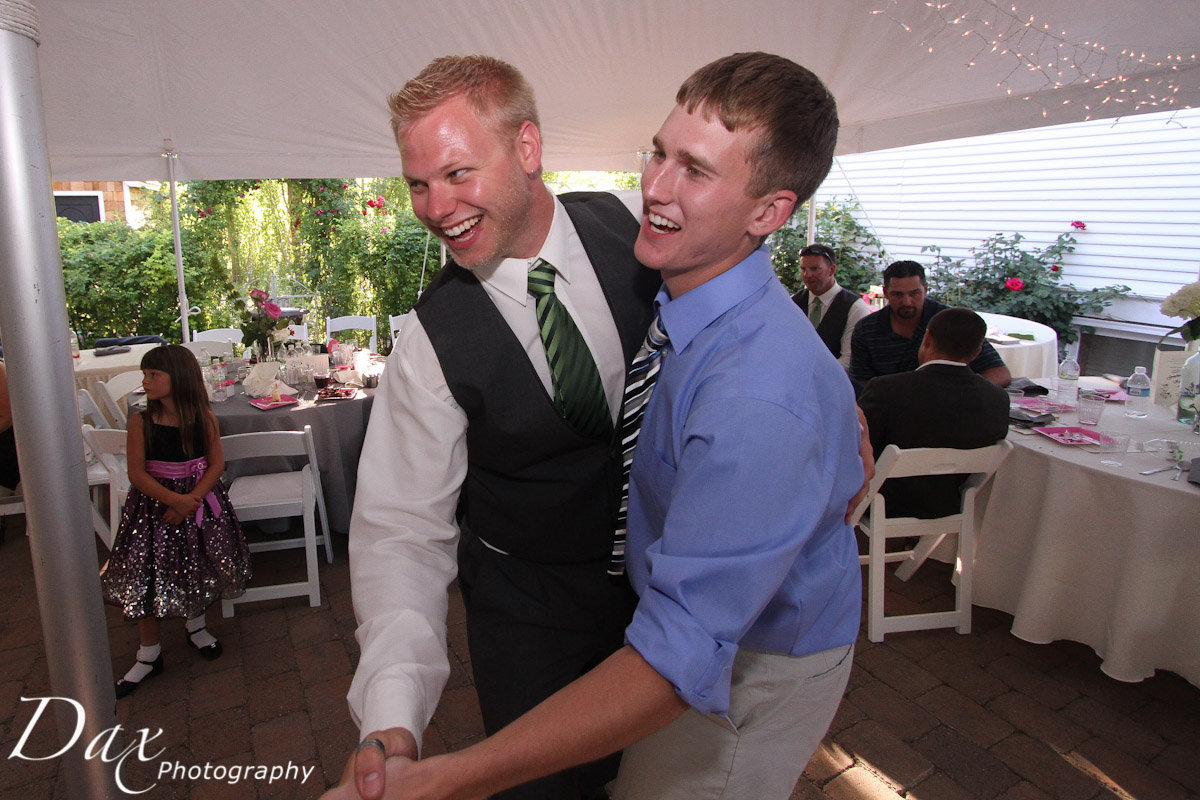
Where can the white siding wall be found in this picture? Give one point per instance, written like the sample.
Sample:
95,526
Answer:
1135,182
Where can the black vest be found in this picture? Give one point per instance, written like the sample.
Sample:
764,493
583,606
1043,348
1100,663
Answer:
833,318
535,488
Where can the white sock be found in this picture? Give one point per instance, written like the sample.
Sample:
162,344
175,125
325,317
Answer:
147,654
196,632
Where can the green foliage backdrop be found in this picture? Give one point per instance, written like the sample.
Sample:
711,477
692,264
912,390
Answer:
355,245
860,255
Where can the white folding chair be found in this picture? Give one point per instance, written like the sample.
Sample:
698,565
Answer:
113,391
352,323
109,446
275,495
89,412
396,324
218,335
214,347
298,331
978,465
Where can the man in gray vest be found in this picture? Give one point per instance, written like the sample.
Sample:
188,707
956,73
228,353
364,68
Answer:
834,311
475,431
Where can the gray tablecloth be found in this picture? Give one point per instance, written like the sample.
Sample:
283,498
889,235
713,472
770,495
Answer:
338,426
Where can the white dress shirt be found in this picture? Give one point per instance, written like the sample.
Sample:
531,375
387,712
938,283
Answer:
403,535
858,310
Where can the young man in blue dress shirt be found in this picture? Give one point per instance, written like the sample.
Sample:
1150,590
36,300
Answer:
746,571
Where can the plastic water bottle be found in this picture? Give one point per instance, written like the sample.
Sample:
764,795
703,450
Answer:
1067,387
74,345
1138,389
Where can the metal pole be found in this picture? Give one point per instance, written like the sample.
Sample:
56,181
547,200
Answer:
184,309
812,219
33,315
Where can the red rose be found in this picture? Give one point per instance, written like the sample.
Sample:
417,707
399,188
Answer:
271,310
1077,225
1055,268
1015,284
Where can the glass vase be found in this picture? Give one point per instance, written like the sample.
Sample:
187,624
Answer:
1189,386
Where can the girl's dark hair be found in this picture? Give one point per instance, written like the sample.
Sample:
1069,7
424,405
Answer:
187,390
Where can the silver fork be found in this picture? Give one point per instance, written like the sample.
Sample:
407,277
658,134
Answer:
1182,467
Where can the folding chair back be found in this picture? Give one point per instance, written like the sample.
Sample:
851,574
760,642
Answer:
275,495
113,392
110,447
89,412
352,323
218,335
979,465
213,348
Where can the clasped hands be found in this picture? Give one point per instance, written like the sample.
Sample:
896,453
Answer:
180,507
371,776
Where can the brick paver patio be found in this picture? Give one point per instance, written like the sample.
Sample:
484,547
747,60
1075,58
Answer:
929,715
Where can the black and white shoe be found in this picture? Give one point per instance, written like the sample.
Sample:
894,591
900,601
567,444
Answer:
208,651
124,688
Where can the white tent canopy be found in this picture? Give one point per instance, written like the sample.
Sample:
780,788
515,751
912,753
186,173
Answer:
294,88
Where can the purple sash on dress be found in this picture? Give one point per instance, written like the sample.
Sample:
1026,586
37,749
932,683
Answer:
185,469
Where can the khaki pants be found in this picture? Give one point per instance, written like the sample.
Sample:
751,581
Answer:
780,708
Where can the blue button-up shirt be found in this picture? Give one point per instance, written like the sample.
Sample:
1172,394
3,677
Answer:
746,461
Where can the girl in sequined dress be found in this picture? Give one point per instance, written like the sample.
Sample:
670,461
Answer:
179,547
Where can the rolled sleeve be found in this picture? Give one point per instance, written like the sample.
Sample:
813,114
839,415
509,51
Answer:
731,535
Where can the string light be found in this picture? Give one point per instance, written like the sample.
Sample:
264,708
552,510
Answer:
1015,37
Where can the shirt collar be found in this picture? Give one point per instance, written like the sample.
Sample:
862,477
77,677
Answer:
946,362
684,317
827,297
511,276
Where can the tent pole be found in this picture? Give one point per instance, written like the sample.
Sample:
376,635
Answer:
33,313
170,154
812,219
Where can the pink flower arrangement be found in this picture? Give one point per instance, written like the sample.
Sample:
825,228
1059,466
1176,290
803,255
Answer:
262,321
1014,284
1077,225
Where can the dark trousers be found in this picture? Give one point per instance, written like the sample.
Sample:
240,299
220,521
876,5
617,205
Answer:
532,629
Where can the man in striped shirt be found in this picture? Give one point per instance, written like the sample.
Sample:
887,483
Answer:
887,341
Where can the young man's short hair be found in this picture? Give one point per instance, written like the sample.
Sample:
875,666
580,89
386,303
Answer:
792,113
903,269
494,89
957,333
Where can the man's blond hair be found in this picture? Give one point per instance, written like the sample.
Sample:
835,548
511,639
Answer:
495,90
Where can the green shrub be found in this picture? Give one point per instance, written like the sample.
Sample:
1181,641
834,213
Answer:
121,281
860,257
1002,277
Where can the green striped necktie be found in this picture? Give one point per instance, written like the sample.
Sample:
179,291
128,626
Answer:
578,391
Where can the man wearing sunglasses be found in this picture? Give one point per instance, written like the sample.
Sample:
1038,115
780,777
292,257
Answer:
834,311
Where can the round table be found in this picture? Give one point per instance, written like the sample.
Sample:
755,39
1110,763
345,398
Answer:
1025,359
338,426
1103,555
90,368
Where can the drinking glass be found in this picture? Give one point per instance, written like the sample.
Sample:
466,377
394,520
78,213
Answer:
1090,406
1110,445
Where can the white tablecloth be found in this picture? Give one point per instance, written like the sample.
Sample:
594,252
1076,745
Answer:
1025,359
1101,555
90,368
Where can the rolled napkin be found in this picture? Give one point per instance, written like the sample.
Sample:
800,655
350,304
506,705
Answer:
263,381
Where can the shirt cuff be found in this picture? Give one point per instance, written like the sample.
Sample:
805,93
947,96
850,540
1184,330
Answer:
384,707
698,666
